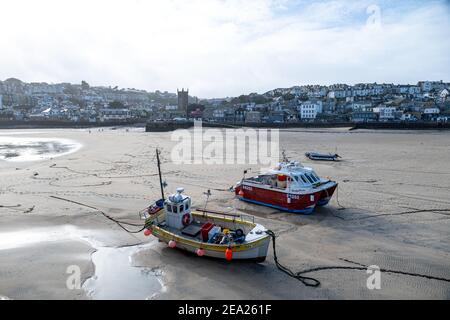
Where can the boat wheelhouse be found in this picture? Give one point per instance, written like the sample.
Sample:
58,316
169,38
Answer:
288,187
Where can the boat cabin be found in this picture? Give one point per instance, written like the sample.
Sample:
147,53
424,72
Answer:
288,176
178,210
203,227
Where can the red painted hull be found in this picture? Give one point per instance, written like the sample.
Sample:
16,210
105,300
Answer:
292,202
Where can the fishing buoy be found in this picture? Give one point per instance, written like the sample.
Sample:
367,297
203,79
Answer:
200,252
241,193
172,244
229,254
147,232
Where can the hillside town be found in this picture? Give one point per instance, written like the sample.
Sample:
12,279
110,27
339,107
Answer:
426,101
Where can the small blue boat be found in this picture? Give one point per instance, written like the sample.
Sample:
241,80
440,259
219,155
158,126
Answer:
322,156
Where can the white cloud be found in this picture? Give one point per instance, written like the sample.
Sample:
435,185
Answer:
220,47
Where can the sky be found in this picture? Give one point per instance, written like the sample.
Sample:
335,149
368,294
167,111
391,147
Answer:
220,48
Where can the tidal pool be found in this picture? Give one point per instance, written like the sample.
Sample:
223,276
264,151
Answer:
115,276
20,149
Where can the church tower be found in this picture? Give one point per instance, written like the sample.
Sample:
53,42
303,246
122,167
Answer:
183,100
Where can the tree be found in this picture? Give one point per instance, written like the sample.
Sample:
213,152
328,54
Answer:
116,105
288,96
84,85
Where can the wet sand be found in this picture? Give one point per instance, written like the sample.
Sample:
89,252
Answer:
390,183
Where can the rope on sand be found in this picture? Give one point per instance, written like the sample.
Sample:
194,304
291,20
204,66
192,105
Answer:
312,282
119,223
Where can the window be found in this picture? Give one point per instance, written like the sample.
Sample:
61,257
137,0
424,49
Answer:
169,208
181,208
309,178
304,180
316,176
175,209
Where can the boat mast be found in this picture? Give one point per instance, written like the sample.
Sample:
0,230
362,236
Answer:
159,173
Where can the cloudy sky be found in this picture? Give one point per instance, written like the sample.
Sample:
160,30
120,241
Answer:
223,48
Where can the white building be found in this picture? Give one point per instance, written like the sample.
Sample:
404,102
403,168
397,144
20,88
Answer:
218,113
408,117
413,90
111,114
431,111
362,106
443,94
430,85
336,94
385,113
310,109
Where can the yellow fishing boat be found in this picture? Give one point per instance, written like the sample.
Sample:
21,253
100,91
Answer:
204,232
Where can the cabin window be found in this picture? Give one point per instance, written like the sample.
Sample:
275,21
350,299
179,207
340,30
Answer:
169,208
175,209
181,208
304,180
187,205
309,178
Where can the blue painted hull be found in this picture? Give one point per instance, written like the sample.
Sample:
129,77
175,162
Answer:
303,211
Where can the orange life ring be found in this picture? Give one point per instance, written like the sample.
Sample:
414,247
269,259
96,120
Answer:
186,219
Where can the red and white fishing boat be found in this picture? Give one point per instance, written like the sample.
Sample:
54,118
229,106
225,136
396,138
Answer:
288,187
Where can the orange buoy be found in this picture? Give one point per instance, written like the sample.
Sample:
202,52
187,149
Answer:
172,244
241,193
200,252
147,232
229,254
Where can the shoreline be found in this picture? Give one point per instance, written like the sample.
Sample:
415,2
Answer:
173,125
66,124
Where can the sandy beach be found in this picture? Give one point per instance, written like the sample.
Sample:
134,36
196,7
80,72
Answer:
394,186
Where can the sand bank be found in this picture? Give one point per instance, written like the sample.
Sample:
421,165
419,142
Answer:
390,183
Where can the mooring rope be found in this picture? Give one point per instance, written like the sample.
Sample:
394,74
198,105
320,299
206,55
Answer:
119,223
312,282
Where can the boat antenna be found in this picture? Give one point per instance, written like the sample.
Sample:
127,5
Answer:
207,194
159,173
285,158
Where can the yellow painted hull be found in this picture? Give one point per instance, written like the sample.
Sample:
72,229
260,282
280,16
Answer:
256,249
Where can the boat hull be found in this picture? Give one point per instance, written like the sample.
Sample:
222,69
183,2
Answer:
291,202
254,249
322,157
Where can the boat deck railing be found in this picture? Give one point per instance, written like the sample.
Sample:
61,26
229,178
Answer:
236,217
144,215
